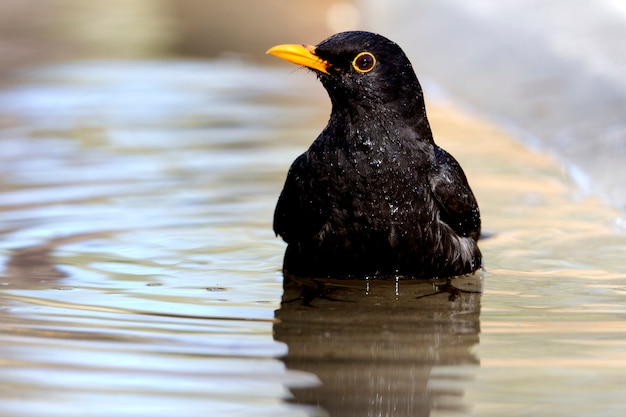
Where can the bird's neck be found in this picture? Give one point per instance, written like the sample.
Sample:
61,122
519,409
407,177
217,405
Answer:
403,124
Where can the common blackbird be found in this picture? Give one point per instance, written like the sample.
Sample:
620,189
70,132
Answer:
374,196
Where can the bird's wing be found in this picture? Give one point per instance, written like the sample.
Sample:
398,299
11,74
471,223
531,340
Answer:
454,196
294,217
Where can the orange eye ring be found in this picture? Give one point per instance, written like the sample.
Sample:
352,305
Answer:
364,62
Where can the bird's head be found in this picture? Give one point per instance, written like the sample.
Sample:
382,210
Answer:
359,69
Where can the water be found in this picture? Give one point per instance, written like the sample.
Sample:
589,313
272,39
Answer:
141,276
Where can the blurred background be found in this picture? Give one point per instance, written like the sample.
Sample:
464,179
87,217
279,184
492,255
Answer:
553,72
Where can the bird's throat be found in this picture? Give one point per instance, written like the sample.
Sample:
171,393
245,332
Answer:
379,131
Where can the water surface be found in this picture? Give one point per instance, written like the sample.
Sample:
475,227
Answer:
141,276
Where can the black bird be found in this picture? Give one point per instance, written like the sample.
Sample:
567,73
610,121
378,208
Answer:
374,196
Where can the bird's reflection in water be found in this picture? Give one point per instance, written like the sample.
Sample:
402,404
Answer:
374,344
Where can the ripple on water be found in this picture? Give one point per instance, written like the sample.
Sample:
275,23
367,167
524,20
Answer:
136,203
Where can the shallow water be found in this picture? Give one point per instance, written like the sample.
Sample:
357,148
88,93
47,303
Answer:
141,276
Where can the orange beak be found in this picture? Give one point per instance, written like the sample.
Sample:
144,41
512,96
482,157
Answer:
301,55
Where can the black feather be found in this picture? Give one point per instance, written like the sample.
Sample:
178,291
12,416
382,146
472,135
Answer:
374,196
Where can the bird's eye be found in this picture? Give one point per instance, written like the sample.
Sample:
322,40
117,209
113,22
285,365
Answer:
364,62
